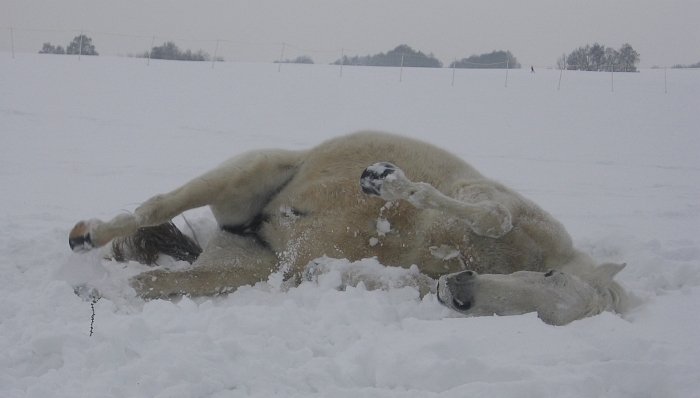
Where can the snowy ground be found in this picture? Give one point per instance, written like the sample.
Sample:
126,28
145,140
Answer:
95,137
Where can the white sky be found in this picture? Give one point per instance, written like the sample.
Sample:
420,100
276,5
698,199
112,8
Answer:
536,31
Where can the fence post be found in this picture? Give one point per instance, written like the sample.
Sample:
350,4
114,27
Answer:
665,81
279,66
612,79
561,71
507,67
12,41
454,67
150,51
216,50
342,61
401,70
80,47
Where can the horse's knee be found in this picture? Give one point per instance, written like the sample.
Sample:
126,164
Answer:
492,220
152,210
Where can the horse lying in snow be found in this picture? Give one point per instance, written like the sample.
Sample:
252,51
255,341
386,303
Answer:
491,250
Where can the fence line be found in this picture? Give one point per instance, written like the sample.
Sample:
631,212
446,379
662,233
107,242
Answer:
341,51
300,50
282,44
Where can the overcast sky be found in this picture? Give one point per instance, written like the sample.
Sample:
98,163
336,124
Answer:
536,31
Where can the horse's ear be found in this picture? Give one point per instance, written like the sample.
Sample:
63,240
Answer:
605,272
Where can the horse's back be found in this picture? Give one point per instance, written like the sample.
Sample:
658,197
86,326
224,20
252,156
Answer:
346,158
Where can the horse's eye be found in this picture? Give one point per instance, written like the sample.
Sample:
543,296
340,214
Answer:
549,273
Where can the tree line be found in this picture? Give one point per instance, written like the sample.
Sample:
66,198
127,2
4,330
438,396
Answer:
170,51
81,45
302,59
680,66
600,58
404,55
596,57
492,60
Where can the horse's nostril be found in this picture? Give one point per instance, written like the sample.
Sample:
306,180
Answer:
461,305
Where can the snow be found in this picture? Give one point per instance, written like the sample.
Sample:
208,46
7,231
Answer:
95,137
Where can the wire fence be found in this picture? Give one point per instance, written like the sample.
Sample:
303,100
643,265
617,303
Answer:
30,40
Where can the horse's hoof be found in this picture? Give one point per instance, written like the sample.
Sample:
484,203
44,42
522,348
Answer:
79,238
373,177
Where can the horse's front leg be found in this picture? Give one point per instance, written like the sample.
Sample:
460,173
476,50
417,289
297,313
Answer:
236,191
486,217
159,209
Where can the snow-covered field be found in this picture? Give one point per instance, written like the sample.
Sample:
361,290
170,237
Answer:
95,137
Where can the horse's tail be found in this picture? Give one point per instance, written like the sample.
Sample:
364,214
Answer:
150,242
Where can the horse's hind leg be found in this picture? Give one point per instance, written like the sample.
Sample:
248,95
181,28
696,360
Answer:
157,210
228,262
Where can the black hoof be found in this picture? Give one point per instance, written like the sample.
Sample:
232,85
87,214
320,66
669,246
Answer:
79,238
80,243
373,177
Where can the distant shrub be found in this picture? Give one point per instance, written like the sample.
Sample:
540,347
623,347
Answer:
49,48
401,55
679,66
81,45
170,51
493,60
302,59
601,59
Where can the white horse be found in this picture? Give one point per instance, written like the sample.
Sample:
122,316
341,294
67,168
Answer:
491,250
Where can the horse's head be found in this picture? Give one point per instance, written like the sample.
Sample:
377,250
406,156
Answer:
557,297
